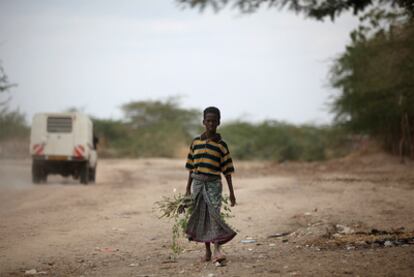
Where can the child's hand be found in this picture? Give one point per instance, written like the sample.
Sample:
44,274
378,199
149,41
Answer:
181,209
232,200
186,202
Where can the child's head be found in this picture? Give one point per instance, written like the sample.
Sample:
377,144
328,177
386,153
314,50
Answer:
211,118
212,110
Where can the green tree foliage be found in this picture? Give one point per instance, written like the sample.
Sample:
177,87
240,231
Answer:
150,128
274,140
4,87
111,134
12,123
143,114
311,8
375,80
164,129
374,75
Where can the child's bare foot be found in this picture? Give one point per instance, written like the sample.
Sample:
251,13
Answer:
219,258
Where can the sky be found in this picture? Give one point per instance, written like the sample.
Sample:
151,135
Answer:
98,55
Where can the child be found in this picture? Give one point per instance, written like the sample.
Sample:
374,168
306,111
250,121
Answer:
209,157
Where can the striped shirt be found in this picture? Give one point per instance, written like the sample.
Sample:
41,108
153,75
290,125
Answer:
209,157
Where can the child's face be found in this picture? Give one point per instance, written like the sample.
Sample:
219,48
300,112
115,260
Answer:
211,122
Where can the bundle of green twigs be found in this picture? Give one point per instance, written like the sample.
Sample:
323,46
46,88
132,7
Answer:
179,208
171,207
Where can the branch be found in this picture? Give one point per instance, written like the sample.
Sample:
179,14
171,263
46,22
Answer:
317,9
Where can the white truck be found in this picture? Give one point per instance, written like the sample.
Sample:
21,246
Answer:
63,143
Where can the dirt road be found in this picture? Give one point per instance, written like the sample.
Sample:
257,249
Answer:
328,210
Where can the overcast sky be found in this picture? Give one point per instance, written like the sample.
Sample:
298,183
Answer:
98,55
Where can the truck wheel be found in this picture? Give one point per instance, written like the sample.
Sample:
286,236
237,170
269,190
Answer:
36,172
92,175
43,176
84,174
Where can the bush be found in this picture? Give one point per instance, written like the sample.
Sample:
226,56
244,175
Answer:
273,140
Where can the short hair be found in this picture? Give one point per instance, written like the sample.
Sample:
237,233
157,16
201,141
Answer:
213,110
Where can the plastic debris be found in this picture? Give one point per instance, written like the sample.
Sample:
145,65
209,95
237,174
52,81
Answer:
30,272
218,264
34,272
248,241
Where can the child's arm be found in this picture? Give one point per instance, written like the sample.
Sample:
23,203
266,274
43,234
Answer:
181,208
188,187
231,190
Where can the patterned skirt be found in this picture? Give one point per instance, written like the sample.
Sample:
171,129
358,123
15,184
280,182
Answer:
205,223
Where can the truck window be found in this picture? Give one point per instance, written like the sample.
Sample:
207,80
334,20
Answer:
59,124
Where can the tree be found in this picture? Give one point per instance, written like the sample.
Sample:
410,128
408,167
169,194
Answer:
151,129
12,123
279,141
375,81
4,87
311,8
374,75
149,113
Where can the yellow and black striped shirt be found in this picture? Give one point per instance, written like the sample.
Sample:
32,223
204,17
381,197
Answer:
209,157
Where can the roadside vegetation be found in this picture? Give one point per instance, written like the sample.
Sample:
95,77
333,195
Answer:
374,98
374,80
164,129
12,122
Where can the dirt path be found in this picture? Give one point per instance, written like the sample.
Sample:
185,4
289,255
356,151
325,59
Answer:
111,228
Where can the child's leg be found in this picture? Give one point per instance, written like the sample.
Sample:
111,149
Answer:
208,252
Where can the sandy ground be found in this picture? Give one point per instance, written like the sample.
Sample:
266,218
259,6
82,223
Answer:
111,228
